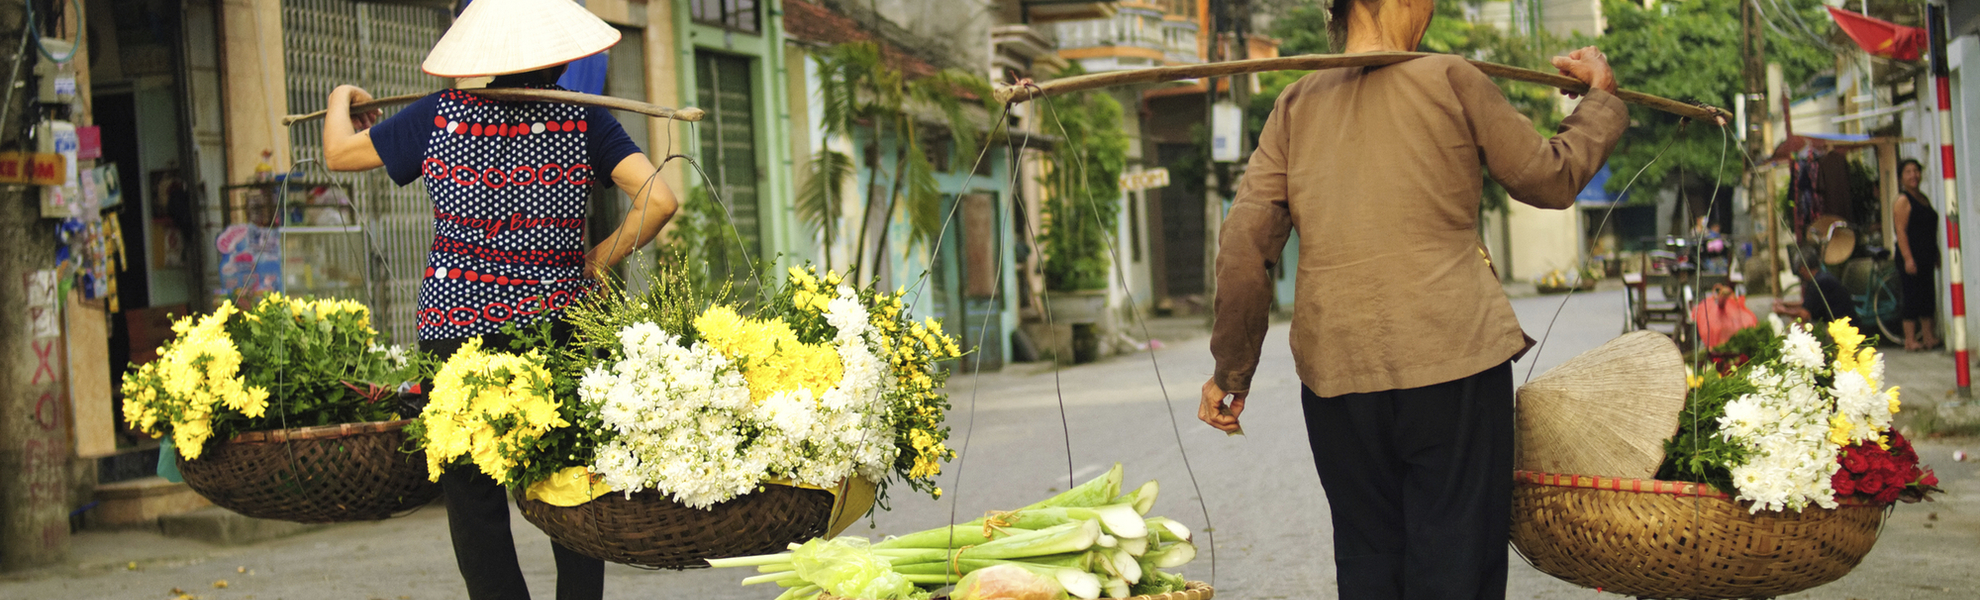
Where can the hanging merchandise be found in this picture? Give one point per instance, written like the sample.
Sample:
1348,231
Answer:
61,194
250,260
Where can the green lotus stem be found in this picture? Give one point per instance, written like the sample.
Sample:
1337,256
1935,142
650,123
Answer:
952,537
1143,498
779,578
1092,493
1168,530
1172,555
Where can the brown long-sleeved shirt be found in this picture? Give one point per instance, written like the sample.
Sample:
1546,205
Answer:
1379,171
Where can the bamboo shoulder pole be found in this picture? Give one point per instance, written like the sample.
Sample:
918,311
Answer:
1315,62
526,95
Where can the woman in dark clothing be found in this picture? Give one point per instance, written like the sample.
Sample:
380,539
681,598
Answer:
509,183
1917,226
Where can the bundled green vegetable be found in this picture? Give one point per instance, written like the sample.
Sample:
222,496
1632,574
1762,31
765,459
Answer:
1092,541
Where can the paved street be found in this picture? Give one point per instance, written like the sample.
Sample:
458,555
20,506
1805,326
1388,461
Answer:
1271,528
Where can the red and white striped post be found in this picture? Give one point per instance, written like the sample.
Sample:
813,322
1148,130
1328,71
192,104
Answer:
1935,19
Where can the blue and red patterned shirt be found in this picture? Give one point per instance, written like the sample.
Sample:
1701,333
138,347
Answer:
509,182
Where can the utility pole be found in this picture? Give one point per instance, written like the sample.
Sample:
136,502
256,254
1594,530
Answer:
1935,23
1753,60
35,458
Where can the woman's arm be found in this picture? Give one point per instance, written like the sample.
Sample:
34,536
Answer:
346,143
1252,240
653,205
1901,217
1546,172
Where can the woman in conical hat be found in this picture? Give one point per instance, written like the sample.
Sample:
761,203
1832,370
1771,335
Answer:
1401,333
509,183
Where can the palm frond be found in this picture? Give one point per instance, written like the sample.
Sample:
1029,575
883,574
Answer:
924,199
821,200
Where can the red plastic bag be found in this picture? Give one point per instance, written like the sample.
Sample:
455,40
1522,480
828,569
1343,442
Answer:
1719,316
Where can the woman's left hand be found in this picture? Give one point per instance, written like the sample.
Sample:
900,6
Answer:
1910,266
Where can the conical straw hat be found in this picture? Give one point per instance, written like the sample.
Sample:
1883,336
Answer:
498,37
1606,412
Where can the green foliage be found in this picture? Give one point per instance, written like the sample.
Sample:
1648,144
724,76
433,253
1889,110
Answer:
821,200
858,87
303,351
1083,190
709,252
1697,453
1757,343
1690,51
1302,30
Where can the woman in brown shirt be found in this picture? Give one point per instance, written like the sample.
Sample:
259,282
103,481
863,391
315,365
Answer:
1401,332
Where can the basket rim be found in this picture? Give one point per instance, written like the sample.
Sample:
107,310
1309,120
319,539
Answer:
320,432
1643,486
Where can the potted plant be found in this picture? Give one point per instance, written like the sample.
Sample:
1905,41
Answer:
1080,214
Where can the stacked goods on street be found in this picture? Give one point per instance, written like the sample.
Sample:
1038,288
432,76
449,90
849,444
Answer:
1089,542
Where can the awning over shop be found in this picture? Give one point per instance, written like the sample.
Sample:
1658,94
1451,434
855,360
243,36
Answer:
1595,195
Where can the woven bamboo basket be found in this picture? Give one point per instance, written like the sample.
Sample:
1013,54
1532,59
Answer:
649,529
328,474
1194,590
1663,539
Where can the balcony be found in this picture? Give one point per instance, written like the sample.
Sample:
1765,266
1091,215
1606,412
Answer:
1051,11
1025,48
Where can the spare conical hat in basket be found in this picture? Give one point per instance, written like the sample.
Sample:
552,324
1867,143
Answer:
1606,412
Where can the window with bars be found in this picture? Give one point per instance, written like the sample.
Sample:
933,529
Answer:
739,15
728,158
378,47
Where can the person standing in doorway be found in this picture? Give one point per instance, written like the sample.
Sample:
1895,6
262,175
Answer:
1917,226
1401,332
510,182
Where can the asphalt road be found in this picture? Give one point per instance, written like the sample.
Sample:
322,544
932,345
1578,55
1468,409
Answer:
1027,432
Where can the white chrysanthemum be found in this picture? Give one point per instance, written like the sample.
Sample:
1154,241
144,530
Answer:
1775,323
1800,349
847,315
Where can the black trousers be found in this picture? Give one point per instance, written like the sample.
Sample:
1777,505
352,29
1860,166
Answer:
478,519
1420,484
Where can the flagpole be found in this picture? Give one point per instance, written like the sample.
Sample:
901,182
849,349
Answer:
1935,15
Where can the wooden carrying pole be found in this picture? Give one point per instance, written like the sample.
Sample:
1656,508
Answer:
528,95
1315,62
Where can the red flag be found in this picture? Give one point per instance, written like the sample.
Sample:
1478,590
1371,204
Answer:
1879,37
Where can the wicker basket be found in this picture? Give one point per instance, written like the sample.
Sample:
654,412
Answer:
651,530
1194,590
1662,539
329,474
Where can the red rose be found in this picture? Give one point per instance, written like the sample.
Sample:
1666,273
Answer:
1930,479
1842,483
1871,483
1889,495
1854,461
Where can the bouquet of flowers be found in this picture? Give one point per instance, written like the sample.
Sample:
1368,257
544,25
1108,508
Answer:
285,363
689,397
1806,422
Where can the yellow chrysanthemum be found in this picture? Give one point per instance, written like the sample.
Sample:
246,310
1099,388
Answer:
1840,428
473,393
772,358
